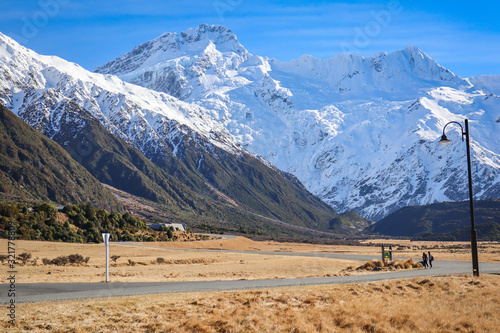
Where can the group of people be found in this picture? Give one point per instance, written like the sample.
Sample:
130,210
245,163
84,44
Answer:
427,259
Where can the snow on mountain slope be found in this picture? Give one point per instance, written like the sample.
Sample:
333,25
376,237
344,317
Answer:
396,76
488,83
359,132
40,89
167,63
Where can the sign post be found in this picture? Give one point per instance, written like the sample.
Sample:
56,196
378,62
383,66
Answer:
386,255
106,243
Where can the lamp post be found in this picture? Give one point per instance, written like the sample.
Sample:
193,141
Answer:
473,233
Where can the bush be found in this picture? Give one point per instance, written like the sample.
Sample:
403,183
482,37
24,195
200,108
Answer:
60,261
63,260
46,208
160,260
75,259
8,210
25,256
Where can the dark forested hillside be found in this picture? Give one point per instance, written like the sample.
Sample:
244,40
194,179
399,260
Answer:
35,168
443,221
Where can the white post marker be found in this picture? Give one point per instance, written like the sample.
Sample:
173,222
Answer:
106,243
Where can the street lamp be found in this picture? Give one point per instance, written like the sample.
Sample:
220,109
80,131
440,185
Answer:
473,233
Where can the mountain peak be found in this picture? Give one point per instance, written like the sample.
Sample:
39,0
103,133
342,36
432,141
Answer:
413,52
216,33
172,45
402,71
413,49
223,38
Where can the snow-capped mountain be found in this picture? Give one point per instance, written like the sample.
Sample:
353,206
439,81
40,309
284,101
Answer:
167,63
361,133
40,89
199,169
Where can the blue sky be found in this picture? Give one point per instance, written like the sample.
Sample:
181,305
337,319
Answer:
462,36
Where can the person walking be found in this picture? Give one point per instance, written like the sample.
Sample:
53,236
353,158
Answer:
424,259
431,259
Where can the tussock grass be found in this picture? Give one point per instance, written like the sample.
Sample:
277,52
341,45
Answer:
436,304
379,265
405,264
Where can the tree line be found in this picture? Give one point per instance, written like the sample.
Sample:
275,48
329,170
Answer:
75,224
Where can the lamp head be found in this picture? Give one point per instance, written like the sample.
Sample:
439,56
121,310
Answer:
444,140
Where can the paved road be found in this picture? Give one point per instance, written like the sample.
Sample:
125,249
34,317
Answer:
42,292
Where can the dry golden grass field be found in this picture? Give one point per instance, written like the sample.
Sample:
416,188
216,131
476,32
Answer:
488,251
436,304
195,265
179,265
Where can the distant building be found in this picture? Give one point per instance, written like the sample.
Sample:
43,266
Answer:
176,226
